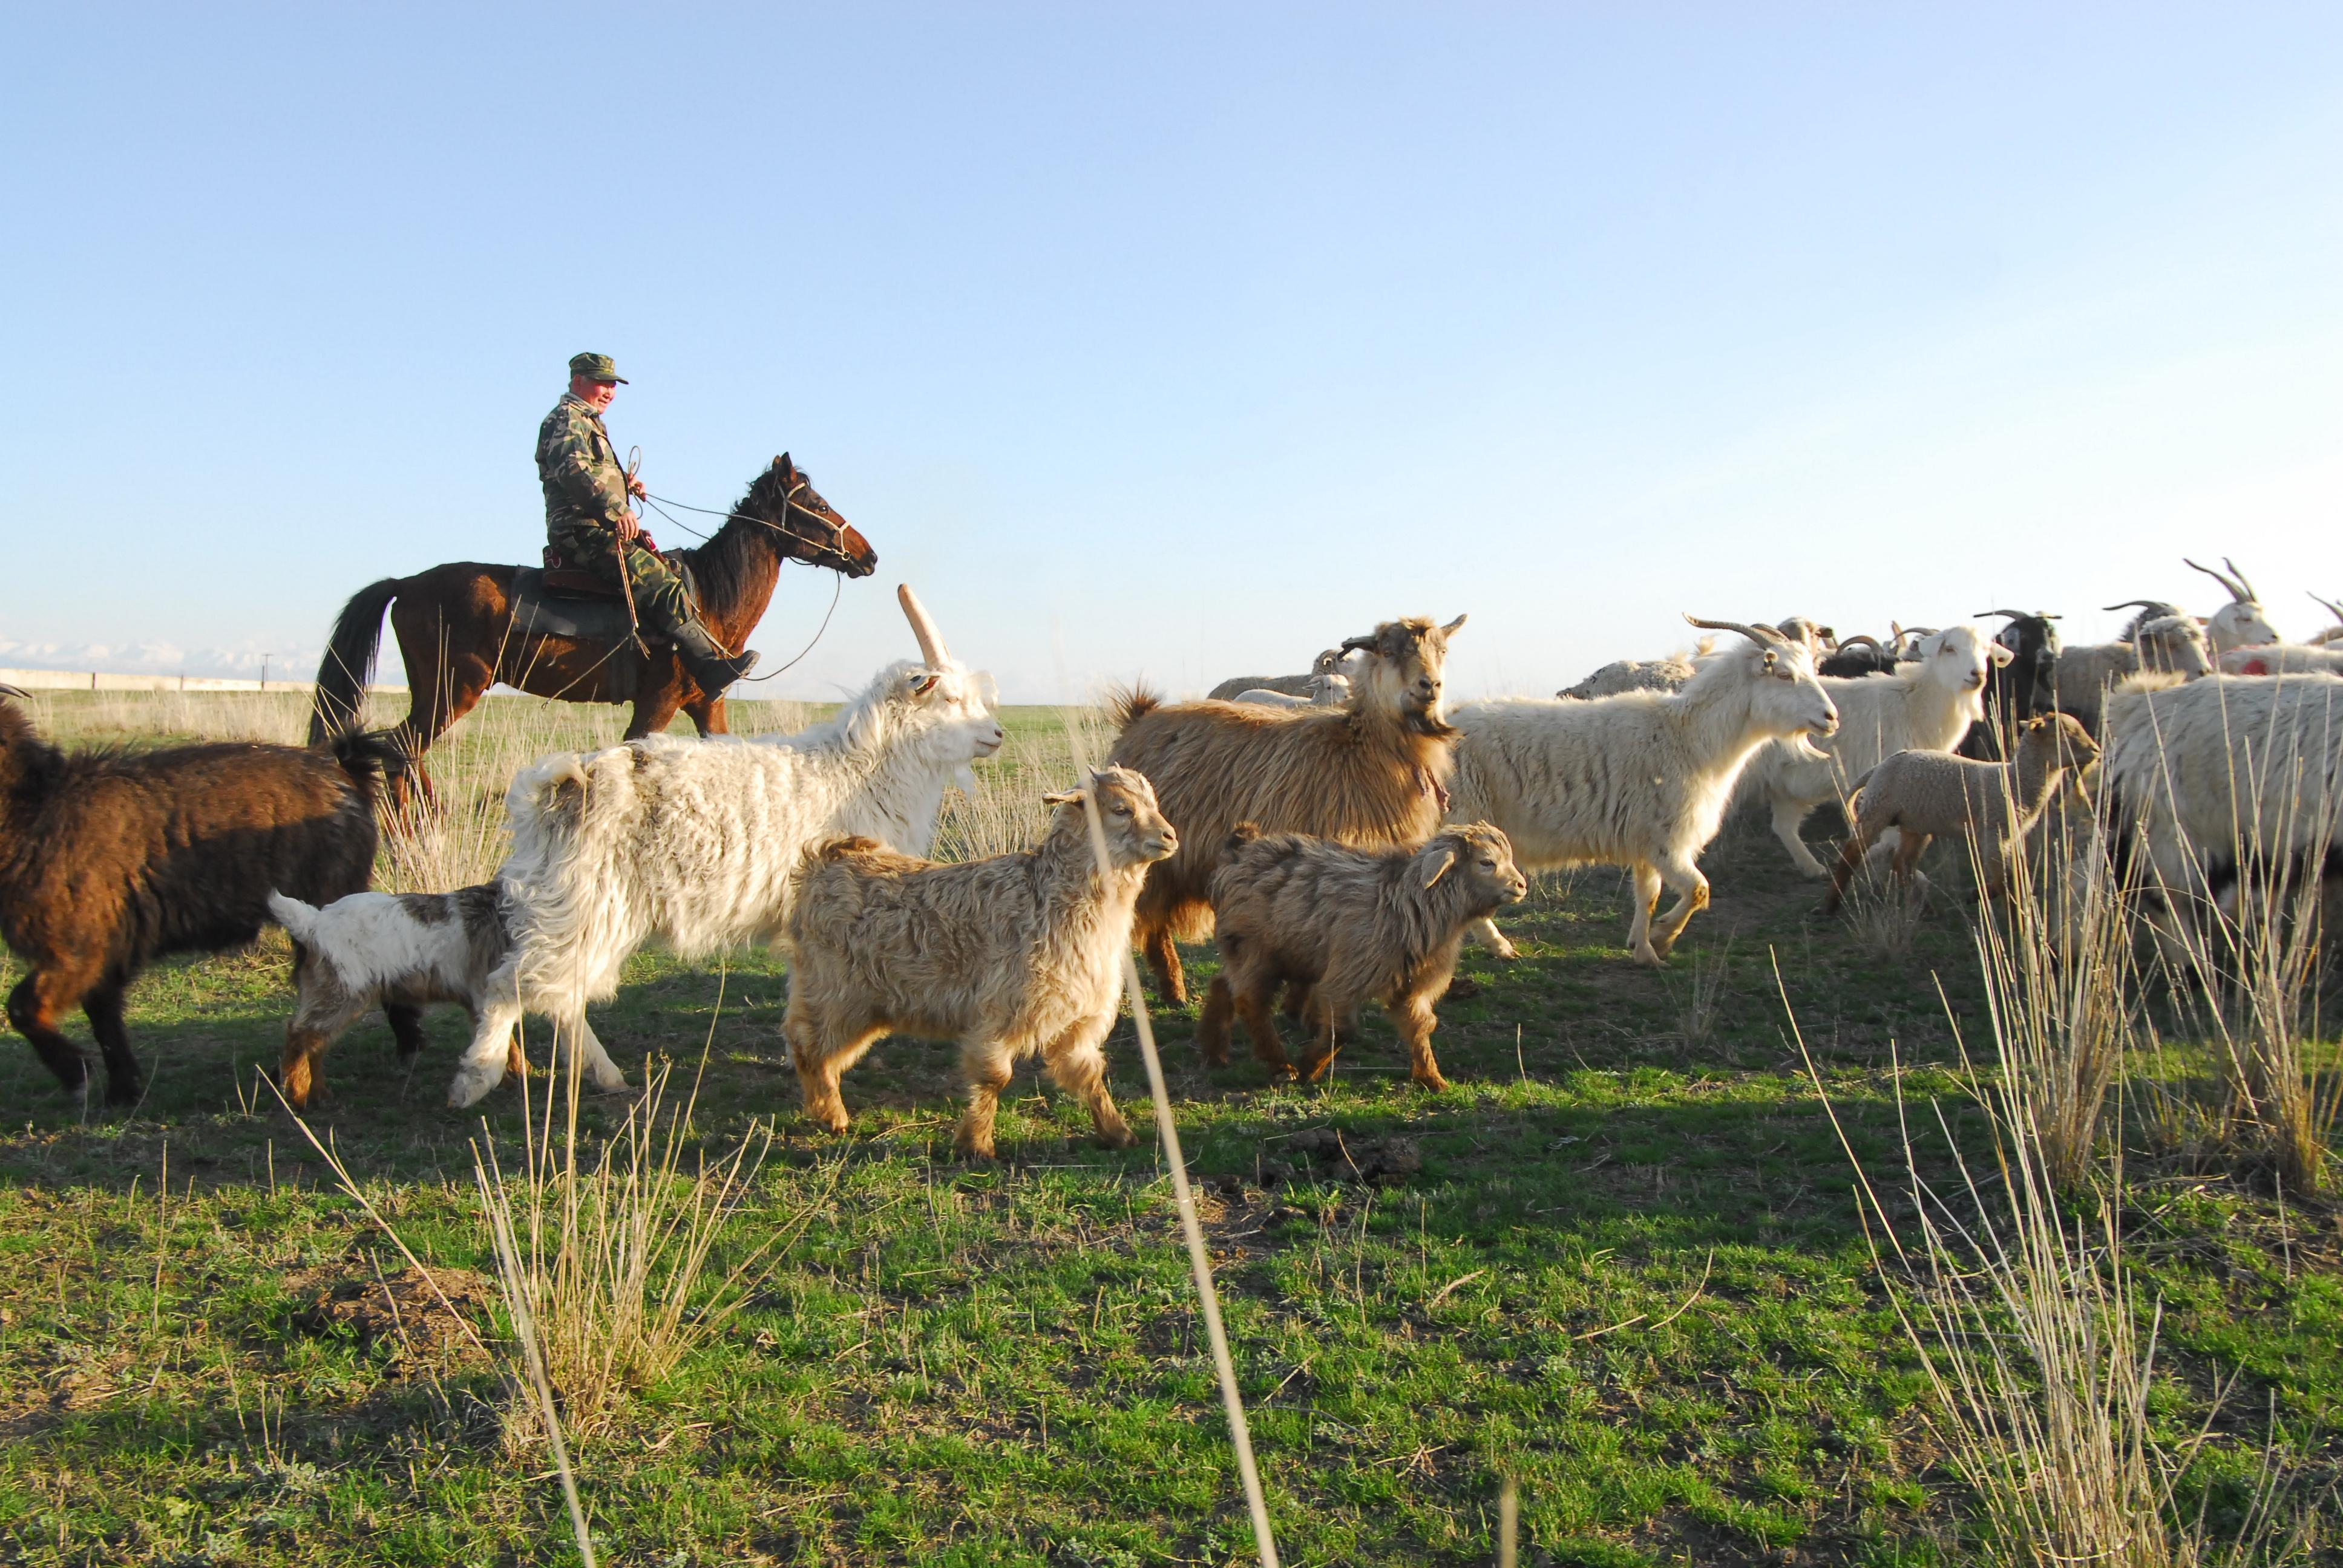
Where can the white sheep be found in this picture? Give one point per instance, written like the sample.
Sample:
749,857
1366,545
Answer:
1331,690
1926,795
1638,780
1620,675
1016,956
2213,780
1925,704
366,951
694,843
1339,662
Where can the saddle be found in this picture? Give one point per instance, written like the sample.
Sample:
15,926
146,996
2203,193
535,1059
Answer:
560,602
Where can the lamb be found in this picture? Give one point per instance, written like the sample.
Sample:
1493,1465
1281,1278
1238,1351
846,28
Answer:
109,860
1332,661
694,842
1928,705
1621,675
1640,779
1348,924
1330,690
384,949
1930,794
1371,772
1016,956
2215,781
2170,645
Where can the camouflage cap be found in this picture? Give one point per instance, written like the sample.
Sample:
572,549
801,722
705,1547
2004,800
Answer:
596,368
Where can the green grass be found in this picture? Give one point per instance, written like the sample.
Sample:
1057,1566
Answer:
1629,1271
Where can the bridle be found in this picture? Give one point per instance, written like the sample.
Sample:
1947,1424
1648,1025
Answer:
830,553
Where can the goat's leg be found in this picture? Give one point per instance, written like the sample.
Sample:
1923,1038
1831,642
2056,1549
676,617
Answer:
405,1020
1787,815
1413,1017
1329,1028
1907,857
1484,931
1682,878
1077,1065
103,1007
821,1049
1253,1005
1212,1024
484,1061
319,1018
985,1064
1163,958
575,1033
32,1008
1642,898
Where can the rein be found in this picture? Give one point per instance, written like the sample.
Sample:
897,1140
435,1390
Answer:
838,532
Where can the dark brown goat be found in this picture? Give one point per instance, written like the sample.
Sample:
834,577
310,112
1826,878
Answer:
110,859
1371,772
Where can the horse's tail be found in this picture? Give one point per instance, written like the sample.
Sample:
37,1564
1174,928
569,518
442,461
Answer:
348,663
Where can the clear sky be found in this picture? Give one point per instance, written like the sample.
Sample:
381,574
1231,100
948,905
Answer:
1178,340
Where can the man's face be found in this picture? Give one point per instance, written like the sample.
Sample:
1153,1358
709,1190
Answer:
595,395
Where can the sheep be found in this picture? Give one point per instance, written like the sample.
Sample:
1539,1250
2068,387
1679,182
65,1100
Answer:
2242,622
1930,794
1371,772
1928,705
1329,690
2020,689
1332,661
370,950
1016,956
1640,675
694,842
2212,780
109,860
1640,779
2170,645
1348,924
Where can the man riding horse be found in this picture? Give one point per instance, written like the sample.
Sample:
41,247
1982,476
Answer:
590,522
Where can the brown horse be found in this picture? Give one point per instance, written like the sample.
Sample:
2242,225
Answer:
455,625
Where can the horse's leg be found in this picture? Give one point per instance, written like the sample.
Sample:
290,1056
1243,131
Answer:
707,714
655,709
443,692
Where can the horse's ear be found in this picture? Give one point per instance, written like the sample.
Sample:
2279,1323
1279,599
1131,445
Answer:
784,465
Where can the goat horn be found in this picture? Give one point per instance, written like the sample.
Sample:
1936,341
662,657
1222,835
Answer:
2135,604
1763,636
2243,579
2236,589
23,696
1862,636
932,641
1360,643
2330,605
2014,614
1451,628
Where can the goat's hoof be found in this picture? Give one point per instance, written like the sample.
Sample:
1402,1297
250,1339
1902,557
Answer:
612,1086
472,1085
1117,1138
1461,987
1430,1080
1648,957
972,1151
1506,950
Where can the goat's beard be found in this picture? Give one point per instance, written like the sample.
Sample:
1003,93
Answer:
1426,721
1803,743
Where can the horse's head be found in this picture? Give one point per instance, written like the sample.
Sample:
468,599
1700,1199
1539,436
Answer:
811,530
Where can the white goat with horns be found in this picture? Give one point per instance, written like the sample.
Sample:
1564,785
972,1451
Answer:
1639,780
694,842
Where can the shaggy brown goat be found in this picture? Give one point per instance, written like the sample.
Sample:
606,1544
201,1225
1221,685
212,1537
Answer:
1019,955
1350,924
110,859
1373,771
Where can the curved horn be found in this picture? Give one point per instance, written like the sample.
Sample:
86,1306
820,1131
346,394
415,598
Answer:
2135,604
2237,591
1763,636
1862,636
1450,629
22,695
932,641
2330,605
1360,643
2242,578
2012,614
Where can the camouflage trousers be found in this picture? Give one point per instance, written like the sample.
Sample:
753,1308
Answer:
660,601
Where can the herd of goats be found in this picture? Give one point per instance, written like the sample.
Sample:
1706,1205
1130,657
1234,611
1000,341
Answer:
1340,832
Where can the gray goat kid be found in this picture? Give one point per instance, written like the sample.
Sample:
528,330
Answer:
1350,924
1994,805
389,951
1015,956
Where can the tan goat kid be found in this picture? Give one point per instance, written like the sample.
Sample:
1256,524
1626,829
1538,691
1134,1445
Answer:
1994,805
1016,956
1350,924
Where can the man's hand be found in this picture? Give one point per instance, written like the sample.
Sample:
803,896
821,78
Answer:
629,526
636,486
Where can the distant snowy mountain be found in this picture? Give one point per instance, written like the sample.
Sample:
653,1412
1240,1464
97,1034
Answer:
153,658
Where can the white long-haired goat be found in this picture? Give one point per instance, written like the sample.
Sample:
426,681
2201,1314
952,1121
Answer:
1640,779
1923,706
694,842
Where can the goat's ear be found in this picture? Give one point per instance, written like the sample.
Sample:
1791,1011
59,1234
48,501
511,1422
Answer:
1771,660
923,682
1451,628
1061,798
1440,869
1998,654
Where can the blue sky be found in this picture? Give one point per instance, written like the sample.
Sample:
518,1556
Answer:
1182,341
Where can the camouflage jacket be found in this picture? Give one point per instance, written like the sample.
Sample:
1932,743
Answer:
579,468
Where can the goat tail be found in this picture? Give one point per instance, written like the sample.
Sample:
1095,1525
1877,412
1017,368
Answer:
1131,703
364,756
348,664
298,917
1240,835
1854,790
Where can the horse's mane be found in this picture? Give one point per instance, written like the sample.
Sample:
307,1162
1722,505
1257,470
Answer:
724,563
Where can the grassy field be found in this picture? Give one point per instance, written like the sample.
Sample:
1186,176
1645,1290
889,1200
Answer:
1621,1262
